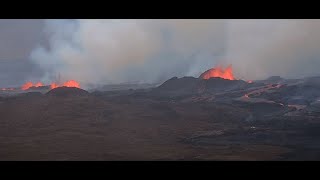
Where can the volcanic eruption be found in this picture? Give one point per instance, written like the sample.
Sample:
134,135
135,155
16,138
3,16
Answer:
28,85
218,72
70,83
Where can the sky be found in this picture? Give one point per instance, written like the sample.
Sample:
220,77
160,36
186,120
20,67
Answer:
17,40
149,51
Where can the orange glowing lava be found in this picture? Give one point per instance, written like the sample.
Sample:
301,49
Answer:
218,72
53,85
28,85
39,84
71,83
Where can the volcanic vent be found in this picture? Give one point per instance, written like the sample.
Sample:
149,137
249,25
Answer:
212,81
67,91
218,72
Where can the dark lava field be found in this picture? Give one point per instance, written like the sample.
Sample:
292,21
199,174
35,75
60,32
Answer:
182,119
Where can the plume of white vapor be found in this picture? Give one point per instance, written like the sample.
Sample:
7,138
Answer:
261,48
116,51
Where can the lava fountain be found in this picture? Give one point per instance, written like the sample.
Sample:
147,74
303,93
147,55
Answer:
218,72
28,85
71,83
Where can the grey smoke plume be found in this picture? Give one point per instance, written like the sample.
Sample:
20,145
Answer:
261,48
117,51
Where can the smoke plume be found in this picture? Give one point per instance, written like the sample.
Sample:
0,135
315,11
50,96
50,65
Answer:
148,51
116,51
261,48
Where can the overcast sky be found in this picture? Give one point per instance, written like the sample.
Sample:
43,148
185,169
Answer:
117,51
17,40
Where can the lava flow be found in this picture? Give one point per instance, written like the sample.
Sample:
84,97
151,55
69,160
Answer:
71,83
218,72
53,85
28,85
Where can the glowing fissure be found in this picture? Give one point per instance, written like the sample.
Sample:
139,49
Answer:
71,83
28,85
219,72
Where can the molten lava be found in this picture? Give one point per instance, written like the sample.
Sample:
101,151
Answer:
71,83
53,85
39,84
218,72
28,85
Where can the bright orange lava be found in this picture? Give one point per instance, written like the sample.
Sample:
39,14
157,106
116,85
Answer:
28,85
71,83
218,72
39,84
53,85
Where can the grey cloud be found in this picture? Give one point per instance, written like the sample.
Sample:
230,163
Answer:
116,51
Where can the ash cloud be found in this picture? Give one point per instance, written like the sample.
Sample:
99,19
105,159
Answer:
148,51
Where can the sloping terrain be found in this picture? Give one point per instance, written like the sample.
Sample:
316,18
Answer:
183,119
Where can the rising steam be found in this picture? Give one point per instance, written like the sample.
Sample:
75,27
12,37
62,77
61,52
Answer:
117,51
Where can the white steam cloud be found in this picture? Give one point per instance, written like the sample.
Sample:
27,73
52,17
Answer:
261,48
118,51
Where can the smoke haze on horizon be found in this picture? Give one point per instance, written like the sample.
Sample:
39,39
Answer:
118,51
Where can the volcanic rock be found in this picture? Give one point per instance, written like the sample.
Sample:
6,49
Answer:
191,85
67,91
30,94
33,88
275,78
221,120
180,84
272,80
312,81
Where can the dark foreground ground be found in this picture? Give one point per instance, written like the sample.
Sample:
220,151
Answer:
200,123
